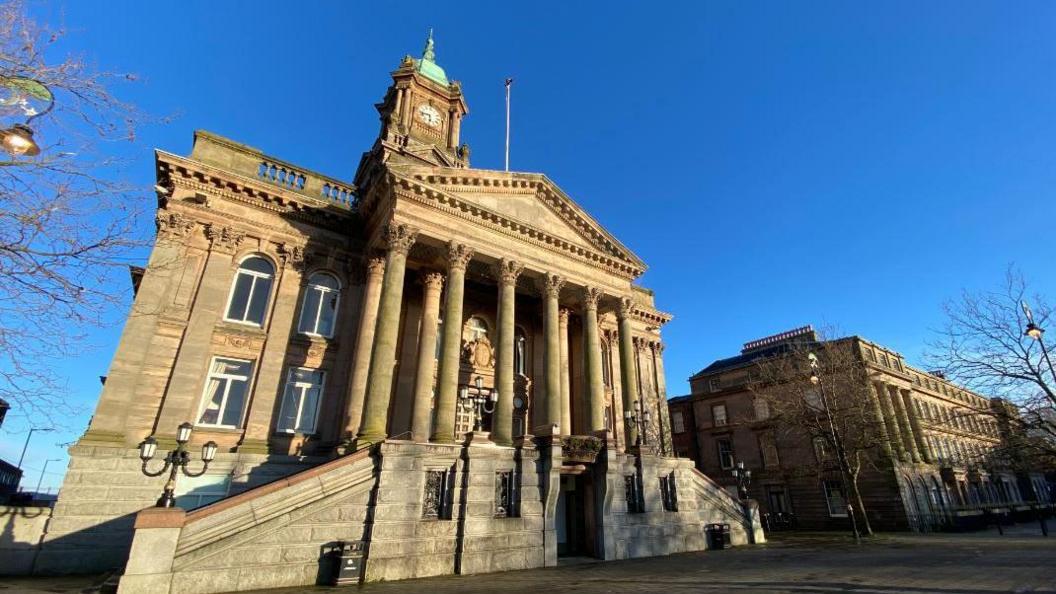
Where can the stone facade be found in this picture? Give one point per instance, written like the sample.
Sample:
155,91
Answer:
936,470
467,328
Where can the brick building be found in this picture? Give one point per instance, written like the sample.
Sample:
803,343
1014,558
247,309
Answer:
940,436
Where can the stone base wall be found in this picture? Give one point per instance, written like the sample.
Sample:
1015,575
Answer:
20,536
91,527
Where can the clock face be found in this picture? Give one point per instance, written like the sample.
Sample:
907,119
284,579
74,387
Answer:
518,402
429,115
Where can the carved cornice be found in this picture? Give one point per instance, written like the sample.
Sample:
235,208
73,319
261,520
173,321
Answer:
458,255
453,206
506,271
400,237
591,295
223,238
550,286
173,225
291,255
433,281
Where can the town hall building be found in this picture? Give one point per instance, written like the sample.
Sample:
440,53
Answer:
452,367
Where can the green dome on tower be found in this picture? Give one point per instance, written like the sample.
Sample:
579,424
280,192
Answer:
428,66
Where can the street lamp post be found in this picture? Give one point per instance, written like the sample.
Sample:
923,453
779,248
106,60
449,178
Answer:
744,480
640,417
479,400
1037,333
44,470
18,139
26,446
177,459
841,454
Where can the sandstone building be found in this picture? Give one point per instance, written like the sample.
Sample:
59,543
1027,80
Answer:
936,467
433,359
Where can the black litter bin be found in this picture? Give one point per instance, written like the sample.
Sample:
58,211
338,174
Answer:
348,559
718,536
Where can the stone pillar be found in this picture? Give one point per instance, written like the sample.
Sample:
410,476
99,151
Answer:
592,359
903,424
458,257
566,387
914,423
551,290
422,417
167,261
627,371
881,422
506,273
149,567
184,392
271,376
891,421
399,239
368,319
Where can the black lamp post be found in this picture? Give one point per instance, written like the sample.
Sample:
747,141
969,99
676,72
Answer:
744,480
479,399
18,139
1037,333
640,416
177,459
841,454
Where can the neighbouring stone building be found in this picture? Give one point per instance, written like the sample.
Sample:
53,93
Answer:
938,469
433,359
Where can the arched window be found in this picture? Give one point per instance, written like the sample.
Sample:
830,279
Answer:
249,294
477,329
520,353
319,311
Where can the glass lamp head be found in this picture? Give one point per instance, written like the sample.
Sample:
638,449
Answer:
209,451
1034,331
18,140
479,382
148,448
183,433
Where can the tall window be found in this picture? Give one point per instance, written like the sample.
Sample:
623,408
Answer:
477,328
225,392
821,449
835,499
678,424
718,415
194,492
249,295
520,353
762,409
319,311
300,402
725,448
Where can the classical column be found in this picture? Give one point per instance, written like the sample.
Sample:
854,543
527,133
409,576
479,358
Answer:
368,319
904,427
881,421
914,423
458,257
551,290
506,273
566,387
592,360
399,239
422,417
627,371
891,421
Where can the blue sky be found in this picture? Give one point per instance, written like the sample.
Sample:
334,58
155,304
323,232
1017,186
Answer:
775,163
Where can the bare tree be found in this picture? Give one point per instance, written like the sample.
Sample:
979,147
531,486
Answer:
818,393
984,345
67,222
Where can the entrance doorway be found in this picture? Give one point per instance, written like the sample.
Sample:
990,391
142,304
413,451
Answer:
575,516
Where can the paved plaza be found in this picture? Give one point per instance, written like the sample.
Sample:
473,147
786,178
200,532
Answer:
1019,561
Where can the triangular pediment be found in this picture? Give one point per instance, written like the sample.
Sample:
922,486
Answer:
529,199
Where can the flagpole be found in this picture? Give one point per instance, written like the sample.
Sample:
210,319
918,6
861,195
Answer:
509,81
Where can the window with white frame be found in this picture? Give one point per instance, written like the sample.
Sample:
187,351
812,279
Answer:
196,491
718,415
300,401
319,311
477,329
226,391
835,499
250,291
821,449
725,449
678,423
762,409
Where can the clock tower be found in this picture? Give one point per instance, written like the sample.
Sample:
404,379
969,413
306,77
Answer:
421,116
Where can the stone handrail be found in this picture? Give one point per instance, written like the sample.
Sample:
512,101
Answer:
719,495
